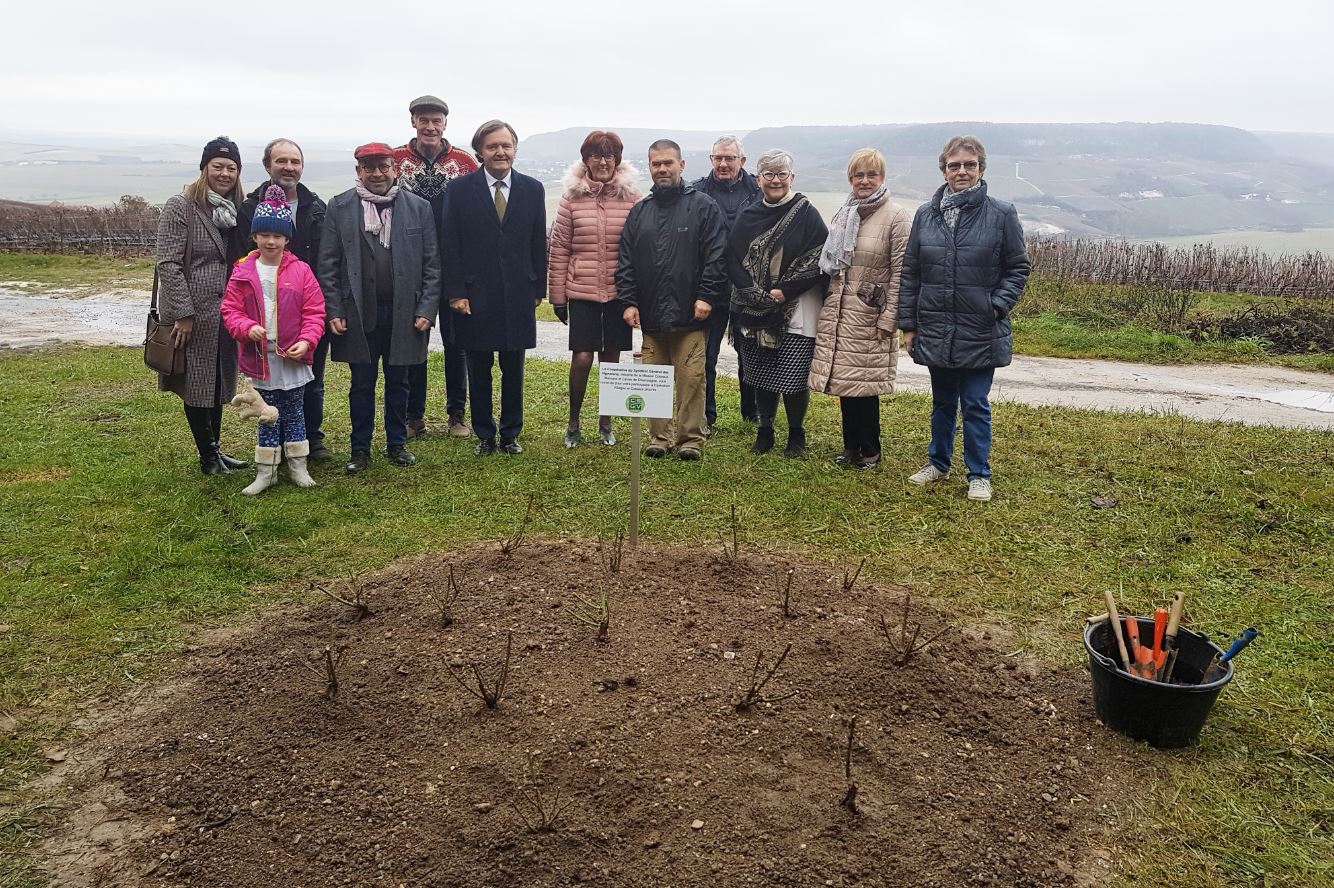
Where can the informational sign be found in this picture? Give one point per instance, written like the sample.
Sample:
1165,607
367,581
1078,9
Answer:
642,390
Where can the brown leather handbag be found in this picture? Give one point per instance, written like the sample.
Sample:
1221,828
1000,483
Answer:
160,352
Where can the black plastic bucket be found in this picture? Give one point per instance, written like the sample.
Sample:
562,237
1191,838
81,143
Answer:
1163,715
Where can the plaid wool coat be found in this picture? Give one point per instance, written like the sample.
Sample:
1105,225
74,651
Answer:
210,358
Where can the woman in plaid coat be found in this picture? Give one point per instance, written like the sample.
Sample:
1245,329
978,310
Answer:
196,246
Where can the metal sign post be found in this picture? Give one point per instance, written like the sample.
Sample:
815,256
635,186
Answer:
636,391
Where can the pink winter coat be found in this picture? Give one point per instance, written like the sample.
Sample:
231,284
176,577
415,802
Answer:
300,311
581,257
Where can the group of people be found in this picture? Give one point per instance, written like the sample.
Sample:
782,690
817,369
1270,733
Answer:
276,282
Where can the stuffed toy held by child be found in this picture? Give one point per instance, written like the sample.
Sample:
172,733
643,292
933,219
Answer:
252,405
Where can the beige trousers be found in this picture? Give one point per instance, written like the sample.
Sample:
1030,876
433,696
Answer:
684,350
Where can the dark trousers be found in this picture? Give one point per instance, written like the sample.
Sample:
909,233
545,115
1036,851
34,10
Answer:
313,405
511,394
717,334
361,396
861,425
456,382
969,390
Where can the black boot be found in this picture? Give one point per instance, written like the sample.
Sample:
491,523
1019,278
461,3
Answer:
201,429
796,443
764,437
230,463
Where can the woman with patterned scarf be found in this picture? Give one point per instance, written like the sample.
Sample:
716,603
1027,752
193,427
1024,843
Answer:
856,342
963,272
773,263
196,246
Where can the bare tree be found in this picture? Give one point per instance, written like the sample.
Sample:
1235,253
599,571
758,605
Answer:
328,674
356,597
444,599
596,611
540,811
732,554
850,580
511,544
787,593
849,800
612,553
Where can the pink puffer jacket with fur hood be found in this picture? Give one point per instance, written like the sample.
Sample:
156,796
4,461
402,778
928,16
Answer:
581,257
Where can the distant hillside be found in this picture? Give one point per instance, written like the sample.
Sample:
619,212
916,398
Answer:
1138,180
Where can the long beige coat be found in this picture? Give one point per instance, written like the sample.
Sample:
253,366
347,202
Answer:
196,292
857,346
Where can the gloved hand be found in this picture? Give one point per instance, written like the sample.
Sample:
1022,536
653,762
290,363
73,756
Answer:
562,313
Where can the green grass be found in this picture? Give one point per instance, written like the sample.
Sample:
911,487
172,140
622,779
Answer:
51,270
113,549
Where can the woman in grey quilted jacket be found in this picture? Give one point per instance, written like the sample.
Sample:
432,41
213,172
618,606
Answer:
963,272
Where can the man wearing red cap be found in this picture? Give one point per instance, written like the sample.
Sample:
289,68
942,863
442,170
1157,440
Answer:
426,165
380,271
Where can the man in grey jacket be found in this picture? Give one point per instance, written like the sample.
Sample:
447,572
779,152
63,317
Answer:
380,271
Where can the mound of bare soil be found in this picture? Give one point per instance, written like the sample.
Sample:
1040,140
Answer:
624,763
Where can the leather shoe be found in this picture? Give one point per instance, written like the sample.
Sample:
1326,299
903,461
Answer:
416,428
358,462
846,459
485,447
512,447
868,462
211,465
401,456
320,453
690,454
655,451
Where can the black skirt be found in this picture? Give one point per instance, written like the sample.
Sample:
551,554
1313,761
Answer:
785,370
598,326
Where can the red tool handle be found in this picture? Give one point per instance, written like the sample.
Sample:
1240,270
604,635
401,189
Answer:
1159,628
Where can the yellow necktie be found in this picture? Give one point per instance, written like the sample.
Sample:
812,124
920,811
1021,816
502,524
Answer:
500,202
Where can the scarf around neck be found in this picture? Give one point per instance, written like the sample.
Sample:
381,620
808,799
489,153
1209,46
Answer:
951,202
847,222
373,221
224,211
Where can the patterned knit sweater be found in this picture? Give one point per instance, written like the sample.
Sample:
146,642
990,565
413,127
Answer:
428,179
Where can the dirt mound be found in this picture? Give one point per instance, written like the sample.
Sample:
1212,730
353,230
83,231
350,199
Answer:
972,768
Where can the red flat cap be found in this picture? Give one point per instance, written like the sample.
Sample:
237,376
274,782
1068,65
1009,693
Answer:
373,149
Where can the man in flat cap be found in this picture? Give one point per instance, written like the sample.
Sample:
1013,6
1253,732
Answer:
380,271
426,165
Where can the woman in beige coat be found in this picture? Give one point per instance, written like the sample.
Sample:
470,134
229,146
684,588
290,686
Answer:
856,338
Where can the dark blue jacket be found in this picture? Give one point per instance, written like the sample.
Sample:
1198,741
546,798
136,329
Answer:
672,254
959,285
501,269
732,197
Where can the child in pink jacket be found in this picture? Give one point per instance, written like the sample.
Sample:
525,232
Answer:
274,309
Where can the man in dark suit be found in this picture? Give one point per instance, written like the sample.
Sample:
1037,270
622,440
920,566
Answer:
380,272
494,260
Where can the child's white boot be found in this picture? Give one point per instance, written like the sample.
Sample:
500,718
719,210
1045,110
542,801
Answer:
297,452
266,463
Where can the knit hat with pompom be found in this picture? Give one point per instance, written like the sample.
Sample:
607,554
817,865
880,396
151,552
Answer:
274,213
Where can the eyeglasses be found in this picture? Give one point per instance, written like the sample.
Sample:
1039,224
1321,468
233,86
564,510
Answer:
955,165
866,175
603,157
771,176
724,158
383,166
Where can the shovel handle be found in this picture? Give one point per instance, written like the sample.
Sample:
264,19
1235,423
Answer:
1240,644
1115,619
1174,618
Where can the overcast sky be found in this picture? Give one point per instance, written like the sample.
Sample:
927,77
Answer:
339,72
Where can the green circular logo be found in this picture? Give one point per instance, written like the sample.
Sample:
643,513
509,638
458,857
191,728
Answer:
635,403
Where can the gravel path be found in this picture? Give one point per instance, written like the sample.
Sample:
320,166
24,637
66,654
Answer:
1252,394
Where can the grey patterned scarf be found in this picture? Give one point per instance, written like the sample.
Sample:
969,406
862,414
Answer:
837,252
224,211
951,203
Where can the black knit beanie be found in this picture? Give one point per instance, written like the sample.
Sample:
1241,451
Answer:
221,147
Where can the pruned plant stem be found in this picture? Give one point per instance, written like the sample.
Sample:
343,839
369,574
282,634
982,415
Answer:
755,694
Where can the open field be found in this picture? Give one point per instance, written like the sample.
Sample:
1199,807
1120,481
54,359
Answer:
114,553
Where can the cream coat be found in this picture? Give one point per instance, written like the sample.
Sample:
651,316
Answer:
856,346
581,255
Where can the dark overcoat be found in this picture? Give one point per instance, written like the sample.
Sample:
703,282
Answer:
960,284
499,267
196,292
415,254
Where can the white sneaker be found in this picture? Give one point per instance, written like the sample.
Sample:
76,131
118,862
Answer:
979,490
927,474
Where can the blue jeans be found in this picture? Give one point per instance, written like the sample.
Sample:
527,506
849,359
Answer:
361,396
950,390
456,382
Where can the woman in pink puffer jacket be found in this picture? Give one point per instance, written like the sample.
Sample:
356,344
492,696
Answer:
599,192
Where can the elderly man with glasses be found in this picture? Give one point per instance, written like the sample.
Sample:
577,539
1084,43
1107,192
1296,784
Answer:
733,189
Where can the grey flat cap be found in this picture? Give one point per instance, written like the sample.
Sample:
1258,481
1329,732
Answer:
425,103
